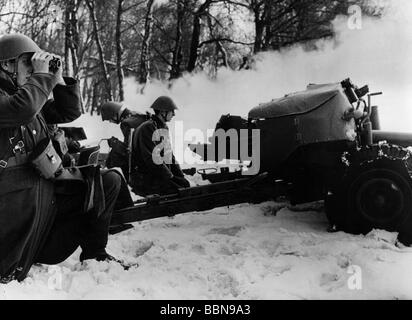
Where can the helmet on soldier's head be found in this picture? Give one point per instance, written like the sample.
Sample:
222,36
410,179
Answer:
164,103
112,111
14,45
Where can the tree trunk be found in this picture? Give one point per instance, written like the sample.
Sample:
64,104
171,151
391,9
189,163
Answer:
105,75
220,49
74,43
266,17
175,71
194,44
259,27
67,35
119,50
71,42
144,57
93,104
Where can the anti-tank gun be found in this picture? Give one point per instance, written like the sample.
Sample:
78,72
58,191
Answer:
323,143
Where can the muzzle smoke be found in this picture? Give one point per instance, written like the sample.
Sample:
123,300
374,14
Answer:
378,54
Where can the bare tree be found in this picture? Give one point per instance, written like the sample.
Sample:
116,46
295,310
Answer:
75,37
102,45
175,70
109,93
144,57
67,39
119,49
195,40
71,37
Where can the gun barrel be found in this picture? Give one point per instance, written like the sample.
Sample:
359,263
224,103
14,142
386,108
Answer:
403,139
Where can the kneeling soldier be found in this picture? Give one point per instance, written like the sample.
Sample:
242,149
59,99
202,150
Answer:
43,220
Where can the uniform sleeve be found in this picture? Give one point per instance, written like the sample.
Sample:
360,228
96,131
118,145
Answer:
20,108
146,147
175,167
65,105
125,128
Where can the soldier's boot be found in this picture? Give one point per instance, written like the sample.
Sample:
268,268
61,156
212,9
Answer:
104,256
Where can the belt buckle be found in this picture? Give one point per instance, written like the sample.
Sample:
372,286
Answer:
19,147
3,164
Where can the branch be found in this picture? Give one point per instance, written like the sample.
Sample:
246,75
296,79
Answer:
133,6
155,49
19,13
236,3
226,40
111,63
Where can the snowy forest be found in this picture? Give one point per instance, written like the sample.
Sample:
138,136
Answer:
102,41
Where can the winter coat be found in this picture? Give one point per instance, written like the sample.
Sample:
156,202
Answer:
27,201
132,122
142,150
119,153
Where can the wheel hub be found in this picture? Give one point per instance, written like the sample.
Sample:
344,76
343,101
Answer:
380,200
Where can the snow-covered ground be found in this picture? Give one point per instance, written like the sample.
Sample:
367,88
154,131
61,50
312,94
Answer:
265,251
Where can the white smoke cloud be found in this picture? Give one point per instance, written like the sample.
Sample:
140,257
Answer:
379,54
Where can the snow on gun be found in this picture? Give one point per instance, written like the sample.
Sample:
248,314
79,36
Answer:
323,143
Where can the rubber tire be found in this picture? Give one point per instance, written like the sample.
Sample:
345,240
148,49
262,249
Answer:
344,208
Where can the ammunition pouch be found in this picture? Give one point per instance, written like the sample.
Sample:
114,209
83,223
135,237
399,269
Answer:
46,160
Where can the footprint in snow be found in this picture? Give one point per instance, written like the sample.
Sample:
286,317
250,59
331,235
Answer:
171,225
224,283
198,248
231,249
232,231
142,248
173,246
328,278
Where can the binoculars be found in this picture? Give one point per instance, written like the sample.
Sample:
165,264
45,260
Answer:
54,64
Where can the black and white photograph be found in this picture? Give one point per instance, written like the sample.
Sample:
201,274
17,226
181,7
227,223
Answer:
212,150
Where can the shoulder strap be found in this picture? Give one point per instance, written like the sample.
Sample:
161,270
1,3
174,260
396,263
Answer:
3,161
129,153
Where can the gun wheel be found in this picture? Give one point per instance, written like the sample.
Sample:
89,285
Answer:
374,194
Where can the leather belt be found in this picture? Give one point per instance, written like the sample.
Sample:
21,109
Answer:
14,161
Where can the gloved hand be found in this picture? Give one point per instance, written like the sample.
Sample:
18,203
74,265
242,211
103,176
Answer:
74,146
181,182
112,141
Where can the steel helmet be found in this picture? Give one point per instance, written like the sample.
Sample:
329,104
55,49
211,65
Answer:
164,103
14,45
112,110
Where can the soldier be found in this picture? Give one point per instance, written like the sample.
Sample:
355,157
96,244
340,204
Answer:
43,220
120,153
118,113
149,177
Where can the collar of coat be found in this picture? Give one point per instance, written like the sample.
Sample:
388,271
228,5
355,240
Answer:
159,123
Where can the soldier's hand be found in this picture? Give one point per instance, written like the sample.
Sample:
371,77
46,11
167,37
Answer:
73,146
40,61
59,72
